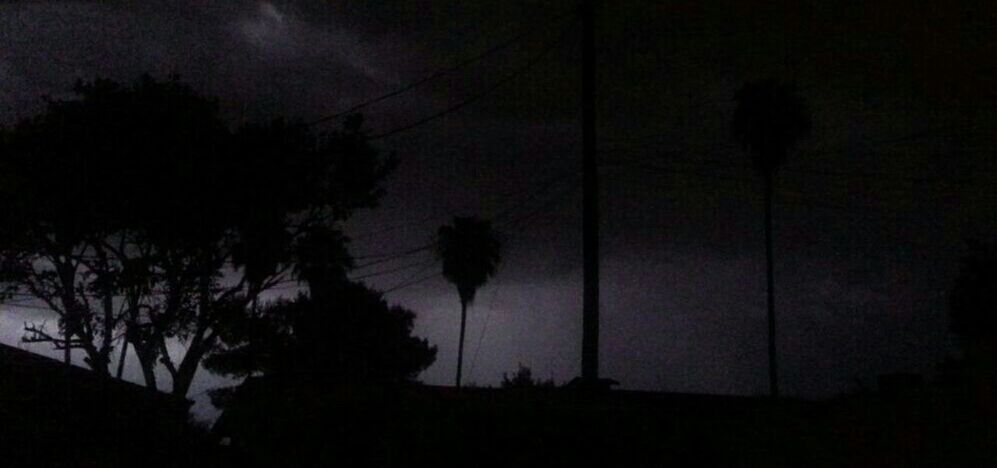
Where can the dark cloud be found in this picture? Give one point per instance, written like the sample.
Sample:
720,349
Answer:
870,213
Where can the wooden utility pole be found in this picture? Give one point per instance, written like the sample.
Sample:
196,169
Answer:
590,202
770,281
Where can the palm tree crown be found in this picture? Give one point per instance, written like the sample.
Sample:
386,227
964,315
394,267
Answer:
470,251
770,119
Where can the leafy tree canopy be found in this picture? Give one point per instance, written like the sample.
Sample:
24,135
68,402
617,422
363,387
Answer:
470,251
769,119
136,208
523,378
351,334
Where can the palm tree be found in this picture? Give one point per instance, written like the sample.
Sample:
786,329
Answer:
470,253
769,120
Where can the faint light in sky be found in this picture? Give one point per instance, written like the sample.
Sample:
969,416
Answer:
268,28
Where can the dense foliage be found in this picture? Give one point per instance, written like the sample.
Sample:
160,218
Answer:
137,212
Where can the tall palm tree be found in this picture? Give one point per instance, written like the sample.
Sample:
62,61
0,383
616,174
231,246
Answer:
769,120
470,251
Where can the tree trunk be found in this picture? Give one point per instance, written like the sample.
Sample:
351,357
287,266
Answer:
97,360
769,276
121,358
183,379
109,325
460,345
67,276
188,366
149,374
147,361
145,351
183,374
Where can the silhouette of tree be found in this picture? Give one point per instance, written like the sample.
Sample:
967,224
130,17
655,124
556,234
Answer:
350,335
136,209
322,260
768,121
470,251
523,378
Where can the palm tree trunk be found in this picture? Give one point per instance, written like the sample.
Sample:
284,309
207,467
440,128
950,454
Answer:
773,365
460,346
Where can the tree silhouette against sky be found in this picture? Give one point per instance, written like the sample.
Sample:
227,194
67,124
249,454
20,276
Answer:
769,120
136,211
470,251
351,336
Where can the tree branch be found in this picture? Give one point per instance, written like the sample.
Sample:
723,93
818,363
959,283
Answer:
37,334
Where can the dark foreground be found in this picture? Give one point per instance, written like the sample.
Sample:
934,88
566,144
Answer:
52,415
435,426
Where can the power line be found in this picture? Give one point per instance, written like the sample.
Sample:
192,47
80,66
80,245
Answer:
521,219
412,282
28,306
458,66
666,170
937,184
952,131
379,259
395,227
391,270
384,258
545,186
798,197
518,222
476,97
548,184
878,176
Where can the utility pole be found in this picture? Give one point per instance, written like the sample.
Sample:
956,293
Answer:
770,280
590,202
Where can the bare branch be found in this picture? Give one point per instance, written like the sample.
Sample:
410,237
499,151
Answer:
37,334
47,298
165,356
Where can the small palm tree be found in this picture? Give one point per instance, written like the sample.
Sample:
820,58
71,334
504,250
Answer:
769,120
470,251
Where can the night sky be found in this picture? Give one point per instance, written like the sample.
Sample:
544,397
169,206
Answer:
871,210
